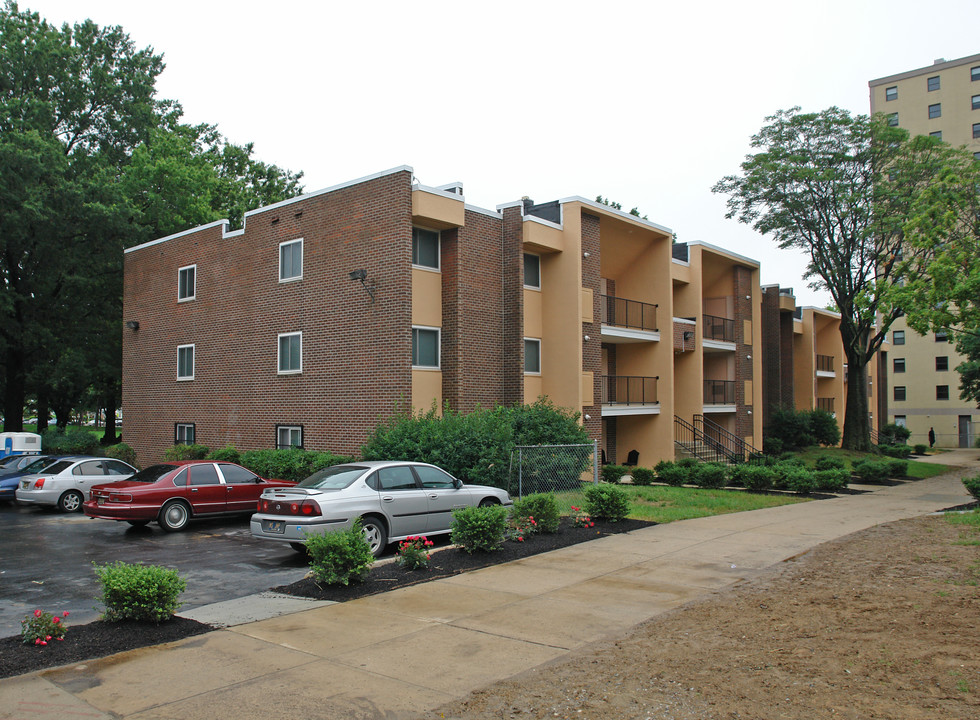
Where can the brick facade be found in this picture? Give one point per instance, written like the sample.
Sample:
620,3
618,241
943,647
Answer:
743,350
592,348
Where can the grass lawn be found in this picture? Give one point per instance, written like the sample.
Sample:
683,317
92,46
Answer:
662,504
917,470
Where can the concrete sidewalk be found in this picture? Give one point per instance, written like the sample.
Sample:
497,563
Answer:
407,651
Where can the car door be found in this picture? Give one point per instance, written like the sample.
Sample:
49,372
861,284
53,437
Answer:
402,500
242,488
443,496
206,492
89,473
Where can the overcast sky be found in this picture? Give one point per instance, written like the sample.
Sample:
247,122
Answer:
647,103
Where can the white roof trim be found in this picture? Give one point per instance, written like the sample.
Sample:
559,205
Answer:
542,221
609,209
723,251
177,235
438,191
685,321
503,206
484,211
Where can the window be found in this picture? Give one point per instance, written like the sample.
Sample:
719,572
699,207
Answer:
236,475
204,475
290,353
891,93
976,130
432,477
532,356
399,477
184,434
288,436
185,362
932,83
291,260
976,156
893,119
938,134
186,283
900,421
942,392
942,363
899,392
532,271
935,110
941,336
898,365
425,248
425,347
975,102
898,337
975,73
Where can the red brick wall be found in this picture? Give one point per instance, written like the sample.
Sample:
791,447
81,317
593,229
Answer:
592,348
743,348
512,257
356,353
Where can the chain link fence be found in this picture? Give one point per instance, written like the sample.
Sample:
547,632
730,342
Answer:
552,468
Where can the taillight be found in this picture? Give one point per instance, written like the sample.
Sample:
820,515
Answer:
299,507
39,483
120,497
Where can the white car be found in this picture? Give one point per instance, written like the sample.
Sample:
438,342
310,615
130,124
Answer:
66,482
394,500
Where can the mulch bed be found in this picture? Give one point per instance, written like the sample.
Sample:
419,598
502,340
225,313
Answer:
99,639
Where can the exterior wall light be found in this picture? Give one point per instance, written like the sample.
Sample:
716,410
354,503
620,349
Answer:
362,276
133,324
586,338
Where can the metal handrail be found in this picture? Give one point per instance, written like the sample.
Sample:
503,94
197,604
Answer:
698,444
825,404
734,447
825,363
629,390
719,392
718,328
620,312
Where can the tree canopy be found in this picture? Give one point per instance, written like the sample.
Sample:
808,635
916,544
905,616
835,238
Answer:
840,188
91,162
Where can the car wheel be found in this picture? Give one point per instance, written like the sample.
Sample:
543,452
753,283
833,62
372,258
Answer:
174,516
488,502
298,547
375,534
138,523
71,501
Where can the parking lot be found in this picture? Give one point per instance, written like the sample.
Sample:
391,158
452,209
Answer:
46,561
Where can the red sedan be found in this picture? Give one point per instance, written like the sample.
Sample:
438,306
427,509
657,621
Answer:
173,493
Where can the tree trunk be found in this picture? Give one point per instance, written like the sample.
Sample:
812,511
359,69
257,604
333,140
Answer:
43,411
857,426
109,437
15,393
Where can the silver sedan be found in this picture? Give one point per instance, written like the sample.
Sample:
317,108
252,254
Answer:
66,482
394,500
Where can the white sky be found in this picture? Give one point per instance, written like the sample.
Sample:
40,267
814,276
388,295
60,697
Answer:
647,103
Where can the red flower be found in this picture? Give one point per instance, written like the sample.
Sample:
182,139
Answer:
37,641
37,613
64,614
520,538
56,620
48,637
41,642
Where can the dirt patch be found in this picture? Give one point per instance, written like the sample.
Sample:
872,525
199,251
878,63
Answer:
880,624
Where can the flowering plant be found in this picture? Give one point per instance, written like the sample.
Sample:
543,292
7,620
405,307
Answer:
413,553
521,527
581,518
40,627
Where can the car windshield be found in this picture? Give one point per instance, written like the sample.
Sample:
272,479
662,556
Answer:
333,478
152,473
39,465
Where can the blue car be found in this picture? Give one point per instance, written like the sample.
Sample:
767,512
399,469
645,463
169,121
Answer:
11,472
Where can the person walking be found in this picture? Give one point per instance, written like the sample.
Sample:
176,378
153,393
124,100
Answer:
932,437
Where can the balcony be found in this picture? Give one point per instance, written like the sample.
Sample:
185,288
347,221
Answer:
826,404
629,395
719,396
628,321
718,333
825,366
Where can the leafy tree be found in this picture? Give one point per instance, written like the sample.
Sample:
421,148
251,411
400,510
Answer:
839,187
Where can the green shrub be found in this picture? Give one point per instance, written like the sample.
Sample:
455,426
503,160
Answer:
710,475
824,428
895,451
147,593
479,529
674,475
799,480
772,446
607,501
871,471
121,451
831,479
185,452
543,507
795,429
72,441
226,454
663,464
293,464
972,486
754,477
893,434
688,462
643,476
613,473
897,467
827,462
921,448
339,557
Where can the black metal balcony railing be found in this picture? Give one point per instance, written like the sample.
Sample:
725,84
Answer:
621,312
825,363
825,404
719,328
719,392
629,390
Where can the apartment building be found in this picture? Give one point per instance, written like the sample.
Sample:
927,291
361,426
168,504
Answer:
941,100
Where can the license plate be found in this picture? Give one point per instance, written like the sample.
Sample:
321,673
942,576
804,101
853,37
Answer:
274,526
100,501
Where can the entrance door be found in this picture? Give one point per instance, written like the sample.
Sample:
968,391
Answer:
965,431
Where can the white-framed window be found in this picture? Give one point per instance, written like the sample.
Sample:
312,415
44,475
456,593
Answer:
425,248
426,343
184,433
532,356
288,436
893,119
898,337
891,93
932,83
532,271
901,421
186,283
290,353
185,362
291,260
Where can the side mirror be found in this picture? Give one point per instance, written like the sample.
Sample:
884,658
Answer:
457,483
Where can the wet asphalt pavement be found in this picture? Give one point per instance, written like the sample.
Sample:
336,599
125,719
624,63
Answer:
46,561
